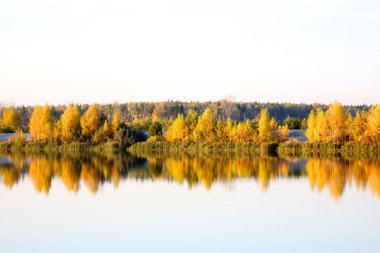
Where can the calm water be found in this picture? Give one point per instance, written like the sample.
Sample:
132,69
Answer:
120,203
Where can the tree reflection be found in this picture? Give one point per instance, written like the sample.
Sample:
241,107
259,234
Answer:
336,173
92,171
41,173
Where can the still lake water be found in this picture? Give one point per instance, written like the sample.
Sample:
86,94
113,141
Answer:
121,203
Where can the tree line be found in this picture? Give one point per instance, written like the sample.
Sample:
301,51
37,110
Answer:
143,113
90,126
337,125
334,124
206,128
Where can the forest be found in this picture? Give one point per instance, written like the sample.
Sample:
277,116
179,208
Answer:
189,123
142,112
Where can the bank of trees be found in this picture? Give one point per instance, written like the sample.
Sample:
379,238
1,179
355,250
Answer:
206,128
192,122
337,125
90,126
10,120
144,113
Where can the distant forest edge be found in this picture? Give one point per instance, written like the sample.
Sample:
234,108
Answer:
140,112
180,126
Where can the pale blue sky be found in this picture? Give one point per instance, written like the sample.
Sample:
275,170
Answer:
61,51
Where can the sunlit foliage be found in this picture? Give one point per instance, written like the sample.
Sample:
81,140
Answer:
358,127
178,130
265,128
41,123
116,121
373,127
90,121
204,131
336,119
70,124
10,119
338,126
284,133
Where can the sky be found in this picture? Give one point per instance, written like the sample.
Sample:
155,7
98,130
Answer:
85,51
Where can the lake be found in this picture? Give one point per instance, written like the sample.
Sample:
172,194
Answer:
156,203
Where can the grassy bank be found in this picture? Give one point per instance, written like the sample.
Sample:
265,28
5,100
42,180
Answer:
55,147
202,148
296,149
306,149
322,149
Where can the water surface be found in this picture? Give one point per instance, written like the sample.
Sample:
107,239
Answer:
121,203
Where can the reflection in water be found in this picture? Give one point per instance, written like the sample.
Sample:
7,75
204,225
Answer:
94,170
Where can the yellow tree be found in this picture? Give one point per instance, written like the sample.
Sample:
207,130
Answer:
284,132
116,120
107,129
265,129
90,121
57,130
191,121
320,126
70,124
11,119
349,125
311,125
243,132
102,134
204,131
41,123
359,126
229,130
336,119
373,127
219,131
178,130
273,124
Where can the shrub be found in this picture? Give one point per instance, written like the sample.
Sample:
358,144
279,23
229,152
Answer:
18,138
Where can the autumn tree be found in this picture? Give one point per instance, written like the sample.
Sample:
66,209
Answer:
359,126
311,126
11,119
265,129
220,131
103,133
41,123
191,121
320,126
229,130
204,131
70,124
284,132
155,129
373,127
116,120
243,132
57,130
178,130
90,121
336,123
